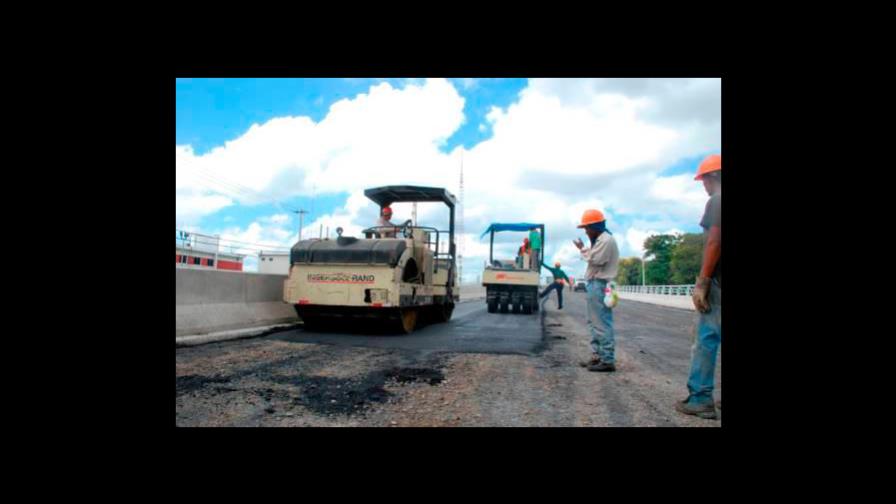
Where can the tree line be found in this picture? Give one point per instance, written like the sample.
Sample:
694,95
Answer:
671,259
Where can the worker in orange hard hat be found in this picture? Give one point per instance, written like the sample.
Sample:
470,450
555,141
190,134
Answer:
385,220
603,265
557,284
707,298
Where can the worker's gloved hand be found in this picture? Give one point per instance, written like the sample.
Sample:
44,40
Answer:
701,294
578,243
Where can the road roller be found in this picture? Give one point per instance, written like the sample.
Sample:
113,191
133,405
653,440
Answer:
396,276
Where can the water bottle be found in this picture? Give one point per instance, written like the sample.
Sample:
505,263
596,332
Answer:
611,298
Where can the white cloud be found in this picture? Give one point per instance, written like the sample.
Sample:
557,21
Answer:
191,205
565,145
385,136
468,83
277,219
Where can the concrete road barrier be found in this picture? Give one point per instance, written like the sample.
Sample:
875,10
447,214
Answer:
211,301
683,302
208,301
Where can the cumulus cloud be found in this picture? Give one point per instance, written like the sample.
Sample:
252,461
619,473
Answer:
384,136
563,146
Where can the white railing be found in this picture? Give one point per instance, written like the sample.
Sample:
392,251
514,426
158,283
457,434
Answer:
666,290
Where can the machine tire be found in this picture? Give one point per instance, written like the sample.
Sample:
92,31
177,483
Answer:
443,312
527,307
407,320
517,307
310,323
492,306
505,306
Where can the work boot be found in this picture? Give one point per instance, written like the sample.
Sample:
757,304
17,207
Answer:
593,360
602,367
707,410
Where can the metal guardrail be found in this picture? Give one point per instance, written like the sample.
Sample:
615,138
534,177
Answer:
666,290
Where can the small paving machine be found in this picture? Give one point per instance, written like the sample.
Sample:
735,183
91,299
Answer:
512,284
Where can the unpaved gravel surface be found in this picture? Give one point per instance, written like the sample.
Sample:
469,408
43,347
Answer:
480,377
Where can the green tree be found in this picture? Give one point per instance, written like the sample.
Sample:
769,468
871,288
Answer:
686,258
659,249
629,271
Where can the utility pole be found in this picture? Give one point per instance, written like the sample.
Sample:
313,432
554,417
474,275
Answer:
301,213
643,276
460,222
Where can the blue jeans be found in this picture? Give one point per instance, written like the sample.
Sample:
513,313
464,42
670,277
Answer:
600,322
559,288
705,349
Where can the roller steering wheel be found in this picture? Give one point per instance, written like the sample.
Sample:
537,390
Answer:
406,229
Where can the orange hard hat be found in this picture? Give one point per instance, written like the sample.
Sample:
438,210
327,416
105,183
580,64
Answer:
557,264
591,216
387,210
712,163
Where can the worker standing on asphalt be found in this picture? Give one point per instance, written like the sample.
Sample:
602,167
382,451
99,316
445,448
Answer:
707,297
557,284
603,265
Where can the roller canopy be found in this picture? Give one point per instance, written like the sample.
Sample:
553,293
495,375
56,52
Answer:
519,226
387,195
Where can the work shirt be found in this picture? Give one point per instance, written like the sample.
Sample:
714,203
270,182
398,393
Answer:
712,216
535,239
386,233
557,272
602,258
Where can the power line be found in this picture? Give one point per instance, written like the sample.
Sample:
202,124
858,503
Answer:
252,192
236,250
194,243
301,213
212,240
234,245
222,187
227,181
232,190
236,189
460,221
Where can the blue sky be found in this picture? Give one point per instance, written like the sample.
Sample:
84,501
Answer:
629,146
213,111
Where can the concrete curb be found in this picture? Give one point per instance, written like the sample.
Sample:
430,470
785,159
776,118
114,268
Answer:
251,332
